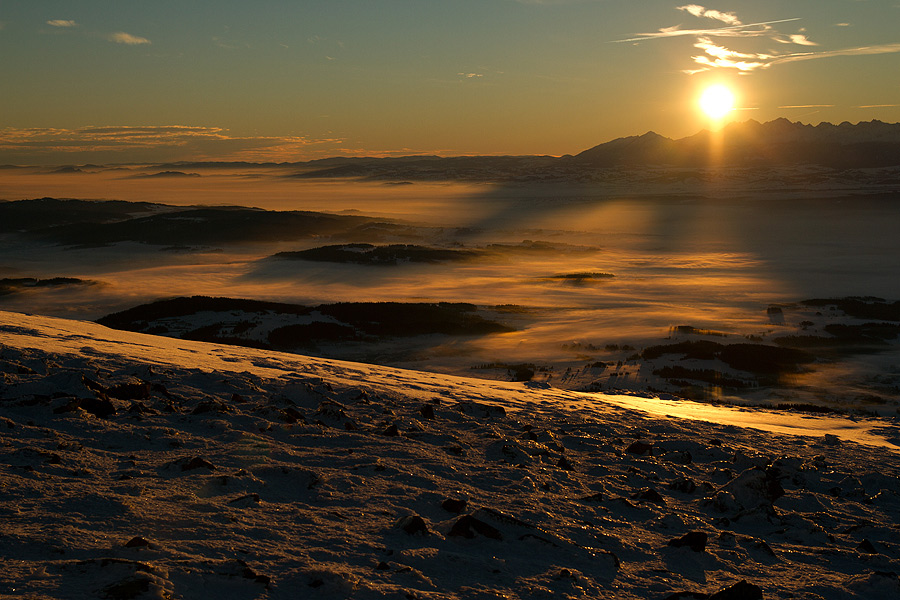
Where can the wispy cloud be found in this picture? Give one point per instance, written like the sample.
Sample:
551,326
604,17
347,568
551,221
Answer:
744,30
878,106
700,11
120,37
807,106
62,23
151,144
860,51
715,55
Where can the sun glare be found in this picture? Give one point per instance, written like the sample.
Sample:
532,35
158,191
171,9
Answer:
716,101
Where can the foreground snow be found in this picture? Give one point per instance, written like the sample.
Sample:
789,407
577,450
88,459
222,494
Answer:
137,466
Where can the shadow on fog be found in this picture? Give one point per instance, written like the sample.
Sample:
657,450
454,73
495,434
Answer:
806,244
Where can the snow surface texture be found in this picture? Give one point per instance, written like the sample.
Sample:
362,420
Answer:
135,467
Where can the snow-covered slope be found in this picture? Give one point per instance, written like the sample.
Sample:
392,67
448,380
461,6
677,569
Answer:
135,466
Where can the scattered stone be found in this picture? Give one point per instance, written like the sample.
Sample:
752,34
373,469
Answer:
291,415
483,411
468,526
413,525
866,547
248,499
139,408
753,488
391,431
741,590
564,464
101,408
137,542
130,391
649,495
197,463
211,406
454,505
695,540
598,497
127,589
248,573
684,485
640,448
427,411
382,566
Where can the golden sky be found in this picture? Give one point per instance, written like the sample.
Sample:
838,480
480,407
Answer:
165,80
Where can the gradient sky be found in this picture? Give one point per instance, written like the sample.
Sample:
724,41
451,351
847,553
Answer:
123,81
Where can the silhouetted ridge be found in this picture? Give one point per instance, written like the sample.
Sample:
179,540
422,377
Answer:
778,142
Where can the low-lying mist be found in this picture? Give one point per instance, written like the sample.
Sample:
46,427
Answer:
586,275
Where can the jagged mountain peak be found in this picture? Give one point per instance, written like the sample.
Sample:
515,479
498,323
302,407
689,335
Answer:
780,141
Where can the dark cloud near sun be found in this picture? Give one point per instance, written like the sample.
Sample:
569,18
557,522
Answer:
716,55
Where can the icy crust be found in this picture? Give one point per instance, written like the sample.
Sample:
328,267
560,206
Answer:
140,467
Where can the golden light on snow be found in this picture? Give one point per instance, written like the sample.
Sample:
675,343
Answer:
716,101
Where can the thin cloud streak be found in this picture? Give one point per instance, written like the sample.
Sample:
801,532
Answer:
717,56
732,31
860,51
62,23
150,144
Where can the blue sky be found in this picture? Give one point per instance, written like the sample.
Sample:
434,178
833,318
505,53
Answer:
114,81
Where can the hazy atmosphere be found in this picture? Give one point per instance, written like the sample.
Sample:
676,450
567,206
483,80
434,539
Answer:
284,81
450,299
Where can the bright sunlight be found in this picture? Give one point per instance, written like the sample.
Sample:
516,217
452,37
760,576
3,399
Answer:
716,101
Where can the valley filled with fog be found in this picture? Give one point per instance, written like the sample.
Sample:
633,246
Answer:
583,276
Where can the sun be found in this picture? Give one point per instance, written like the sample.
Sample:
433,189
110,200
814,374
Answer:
716,101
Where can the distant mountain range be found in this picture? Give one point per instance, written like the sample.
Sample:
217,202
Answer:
775,143
778,143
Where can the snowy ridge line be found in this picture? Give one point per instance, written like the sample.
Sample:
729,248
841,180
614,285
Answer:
134,467
66,336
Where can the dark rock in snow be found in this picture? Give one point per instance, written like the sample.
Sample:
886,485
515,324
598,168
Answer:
468,526
196,463
687,596
866,547
130,391
391,431
684,485
127,589
751,489
137,542
482,411
741,590
640,448
598,497
291,415
413,525
454,505
427,411
695,540
211,406
564,464
649,495
246,500
99,407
